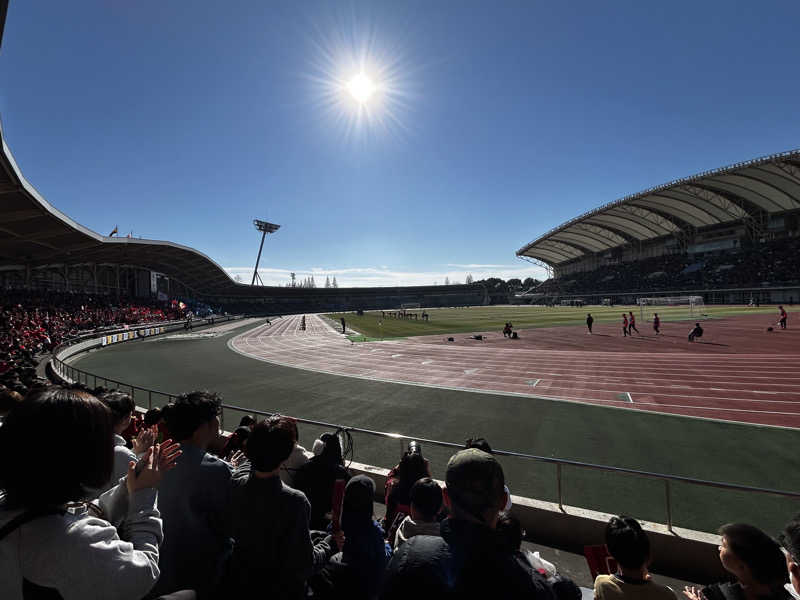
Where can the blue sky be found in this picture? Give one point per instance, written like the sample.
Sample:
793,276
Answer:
494,121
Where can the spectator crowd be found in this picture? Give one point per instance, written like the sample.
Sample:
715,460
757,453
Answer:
163,506
35,322
752,265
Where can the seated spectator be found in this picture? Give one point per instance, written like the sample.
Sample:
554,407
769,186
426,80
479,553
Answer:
122,407
629,545
273,553
755,560
466,561
426,502
317,477
49,549
481,444
194,500
355,572
510,535
248,421
155,418
413,466
790,541
236,443
296,460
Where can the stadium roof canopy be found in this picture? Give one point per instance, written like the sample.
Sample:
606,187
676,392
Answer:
35,234
744,192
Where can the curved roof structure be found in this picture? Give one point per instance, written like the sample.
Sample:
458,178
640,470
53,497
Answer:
740,192
34,233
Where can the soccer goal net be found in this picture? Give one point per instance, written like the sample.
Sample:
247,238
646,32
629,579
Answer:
674,307
409,305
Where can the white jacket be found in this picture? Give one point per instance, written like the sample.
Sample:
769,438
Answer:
82,556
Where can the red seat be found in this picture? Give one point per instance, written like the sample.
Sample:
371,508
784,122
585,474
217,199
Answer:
599,560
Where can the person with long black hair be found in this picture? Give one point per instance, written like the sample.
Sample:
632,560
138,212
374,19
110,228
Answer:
318,476
54,543
397,492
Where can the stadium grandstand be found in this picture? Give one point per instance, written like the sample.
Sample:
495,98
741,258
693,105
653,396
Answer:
43,249
729,235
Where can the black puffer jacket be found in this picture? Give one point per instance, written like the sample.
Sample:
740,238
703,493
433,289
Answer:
465,562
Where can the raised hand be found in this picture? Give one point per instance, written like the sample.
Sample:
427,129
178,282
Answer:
693,593
238,458
145,439
156,461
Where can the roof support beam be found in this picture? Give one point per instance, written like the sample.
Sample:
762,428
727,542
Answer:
753,216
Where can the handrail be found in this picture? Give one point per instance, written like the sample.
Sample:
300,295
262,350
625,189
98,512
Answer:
68,372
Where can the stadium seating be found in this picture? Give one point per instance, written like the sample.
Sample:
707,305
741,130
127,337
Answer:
774,263
36,322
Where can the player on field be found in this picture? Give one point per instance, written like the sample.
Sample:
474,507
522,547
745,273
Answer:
632,324
589,321
624,325
783,317
656,324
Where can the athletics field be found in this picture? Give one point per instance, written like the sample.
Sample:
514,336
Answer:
598,433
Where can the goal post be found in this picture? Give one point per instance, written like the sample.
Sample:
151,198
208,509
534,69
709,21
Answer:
693,306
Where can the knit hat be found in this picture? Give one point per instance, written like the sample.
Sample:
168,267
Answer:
475,480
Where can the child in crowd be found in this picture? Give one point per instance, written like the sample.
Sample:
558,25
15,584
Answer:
629,545
426,502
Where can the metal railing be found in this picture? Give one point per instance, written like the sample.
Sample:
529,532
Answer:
72,374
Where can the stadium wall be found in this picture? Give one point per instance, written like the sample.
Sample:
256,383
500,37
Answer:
275,301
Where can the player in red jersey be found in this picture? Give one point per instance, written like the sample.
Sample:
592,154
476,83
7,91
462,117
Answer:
783,317
624,325
632,324
656,324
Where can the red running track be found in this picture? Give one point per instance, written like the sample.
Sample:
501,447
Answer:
738,372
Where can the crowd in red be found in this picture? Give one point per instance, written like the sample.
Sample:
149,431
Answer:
35,322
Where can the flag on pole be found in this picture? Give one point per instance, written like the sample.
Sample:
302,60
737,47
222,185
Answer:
115,231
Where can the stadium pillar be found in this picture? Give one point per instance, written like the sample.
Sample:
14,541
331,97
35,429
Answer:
117,271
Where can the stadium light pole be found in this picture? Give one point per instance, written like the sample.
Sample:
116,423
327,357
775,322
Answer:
264,228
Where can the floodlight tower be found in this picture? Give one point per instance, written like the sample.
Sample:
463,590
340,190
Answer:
264,228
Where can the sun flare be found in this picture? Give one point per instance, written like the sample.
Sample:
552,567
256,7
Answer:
362,83
361,88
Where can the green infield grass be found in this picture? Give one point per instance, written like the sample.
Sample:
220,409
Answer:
381,325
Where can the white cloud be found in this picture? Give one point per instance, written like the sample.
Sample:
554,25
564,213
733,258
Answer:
384,277
477,266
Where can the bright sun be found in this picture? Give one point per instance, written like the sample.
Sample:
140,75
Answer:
361,88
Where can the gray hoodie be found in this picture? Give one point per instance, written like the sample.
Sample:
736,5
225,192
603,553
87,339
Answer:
83,556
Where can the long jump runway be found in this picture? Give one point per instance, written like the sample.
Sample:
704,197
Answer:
738,372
